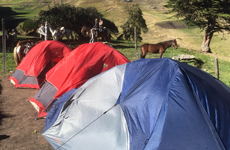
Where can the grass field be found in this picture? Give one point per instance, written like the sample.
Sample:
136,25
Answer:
202,61
161,28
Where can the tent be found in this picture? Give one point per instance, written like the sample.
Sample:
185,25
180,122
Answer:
30,73
81,64
150,104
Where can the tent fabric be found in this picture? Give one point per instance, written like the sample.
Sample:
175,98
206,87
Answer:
150,104
30,73
81,64
56,107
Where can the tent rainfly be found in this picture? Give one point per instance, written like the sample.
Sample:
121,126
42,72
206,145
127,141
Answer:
81,64
148,104
30,73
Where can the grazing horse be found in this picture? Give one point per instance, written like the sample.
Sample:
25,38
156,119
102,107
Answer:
157,48
22,48
88,32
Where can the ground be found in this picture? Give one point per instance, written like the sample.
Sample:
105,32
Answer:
17,119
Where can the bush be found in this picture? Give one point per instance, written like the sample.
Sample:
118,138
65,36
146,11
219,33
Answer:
29,25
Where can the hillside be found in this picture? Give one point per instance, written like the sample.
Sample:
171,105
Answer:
161,26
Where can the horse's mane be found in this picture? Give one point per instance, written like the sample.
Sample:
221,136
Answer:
175,41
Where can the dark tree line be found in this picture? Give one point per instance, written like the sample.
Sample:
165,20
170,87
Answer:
73,18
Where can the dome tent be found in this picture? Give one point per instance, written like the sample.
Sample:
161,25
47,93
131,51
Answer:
30,73
81,64
153,104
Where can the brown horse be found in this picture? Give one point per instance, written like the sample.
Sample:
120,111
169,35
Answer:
157,48
88,32
22,48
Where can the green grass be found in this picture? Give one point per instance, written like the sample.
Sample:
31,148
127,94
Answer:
10,64
202,61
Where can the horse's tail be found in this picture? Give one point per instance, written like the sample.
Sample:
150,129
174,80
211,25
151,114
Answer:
16,59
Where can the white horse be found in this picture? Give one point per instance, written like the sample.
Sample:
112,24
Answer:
54,33
65,33
41,32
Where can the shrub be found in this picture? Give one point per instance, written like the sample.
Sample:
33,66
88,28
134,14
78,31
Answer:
29,25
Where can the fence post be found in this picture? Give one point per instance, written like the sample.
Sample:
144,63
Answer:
46,31
135,38
4,45
217,68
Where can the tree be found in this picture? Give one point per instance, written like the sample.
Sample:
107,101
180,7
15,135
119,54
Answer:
72,17
134,19
29,25
210,15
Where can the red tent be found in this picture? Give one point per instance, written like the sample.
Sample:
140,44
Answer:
42,57
74,70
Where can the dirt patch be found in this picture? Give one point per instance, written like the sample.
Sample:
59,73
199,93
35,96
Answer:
17,119
172,25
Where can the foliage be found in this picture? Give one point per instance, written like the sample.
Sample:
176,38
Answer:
135,19
72,17
19,29
29,25
210,15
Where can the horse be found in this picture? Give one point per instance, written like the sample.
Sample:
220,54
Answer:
88,32
59,34
157,48
54,33
65,33
41,32
22,48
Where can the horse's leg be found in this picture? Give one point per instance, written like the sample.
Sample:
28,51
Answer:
67,38
141,55
91,35
91,38
96,36
161,54
161,51
107,36
143,52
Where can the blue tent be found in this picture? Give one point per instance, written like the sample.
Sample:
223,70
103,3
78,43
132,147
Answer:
150,104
